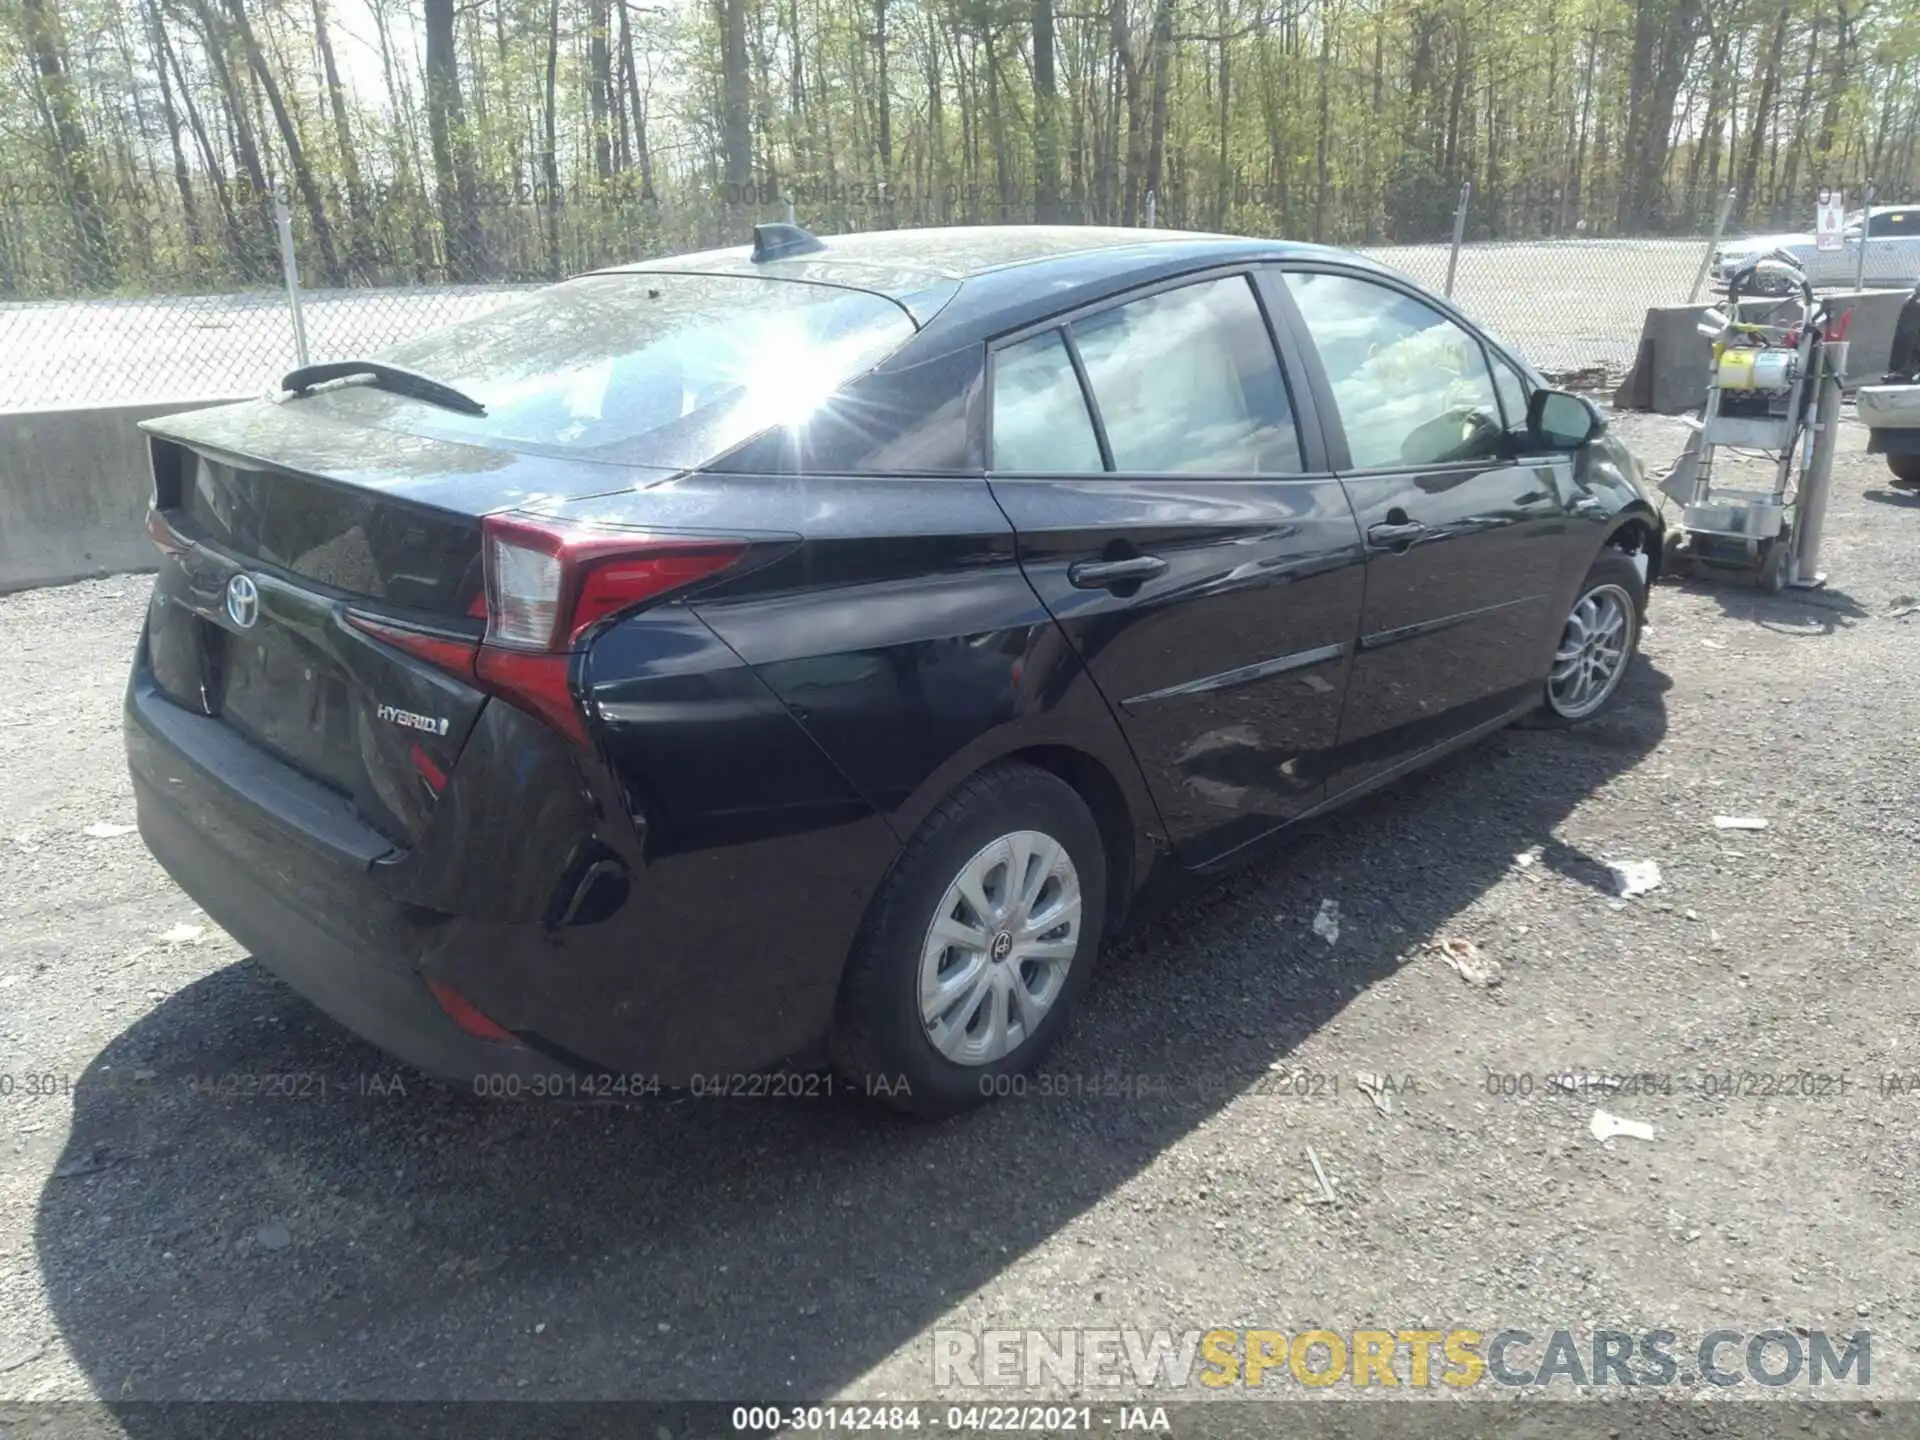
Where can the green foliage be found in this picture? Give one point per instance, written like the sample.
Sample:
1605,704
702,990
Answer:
135,135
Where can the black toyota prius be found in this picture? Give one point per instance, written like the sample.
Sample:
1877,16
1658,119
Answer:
795,659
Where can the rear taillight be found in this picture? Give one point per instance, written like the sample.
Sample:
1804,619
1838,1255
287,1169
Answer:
446,652
534,681
547,585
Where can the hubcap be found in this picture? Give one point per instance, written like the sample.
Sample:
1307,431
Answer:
996,955
1593,652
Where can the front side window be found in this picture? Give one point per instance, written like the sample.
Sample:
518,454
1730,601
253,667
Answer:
1040,420
1412,387
1515,391
1186,381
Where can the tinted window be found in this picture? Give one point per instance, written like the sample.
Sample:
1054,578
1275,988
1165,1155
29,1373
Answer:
1412,387
1187,380
694,363
1040,419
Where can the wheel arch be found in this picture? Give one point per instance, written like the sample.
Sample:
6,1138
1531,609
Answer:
1119,836
1104,776
1635,530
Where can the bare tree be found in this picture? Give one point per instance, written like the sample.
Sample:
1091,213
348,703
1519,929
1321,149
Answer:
303,180
47,44
452,157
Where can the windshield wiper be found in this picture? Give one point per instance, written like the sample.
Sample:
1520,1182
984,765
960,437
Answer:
397,378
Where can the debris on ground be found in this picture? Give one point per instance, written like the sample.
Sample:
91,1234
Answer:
1375,1089
96,1159
1605,1127
1713,644
1326,923
23,1357
1634,877
1326,1195
1529,857
182,934
1467,962
101,830
1584,377
1739,822
274,1235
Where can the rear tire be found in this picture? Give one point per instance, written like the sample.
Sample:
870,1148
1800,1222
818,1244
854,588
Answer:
1906,471
932,1023
1597,644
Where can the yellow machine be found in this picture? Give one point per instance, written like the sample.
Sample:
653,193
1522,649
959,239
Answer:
1774,388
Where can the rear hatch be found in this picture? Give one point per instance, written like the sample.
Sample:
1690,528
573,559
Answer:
317,547
267,614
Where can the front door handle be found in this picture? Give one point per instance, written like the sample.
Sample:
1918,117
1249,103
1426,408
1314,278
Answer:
1388,536
1107,574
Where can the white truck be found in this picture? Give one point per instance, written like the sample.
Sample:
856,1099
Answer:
1891,409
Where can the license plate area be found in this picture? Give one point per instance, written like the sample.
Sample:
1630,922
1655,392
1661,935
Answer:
288,696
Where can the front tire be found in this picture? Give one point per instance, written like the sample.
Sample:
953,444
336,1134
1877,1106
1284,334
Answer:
1598,641
1906,471
976,946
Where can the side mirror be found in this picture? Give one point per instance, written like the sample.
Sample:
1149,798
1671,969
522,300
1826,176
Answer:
1558,420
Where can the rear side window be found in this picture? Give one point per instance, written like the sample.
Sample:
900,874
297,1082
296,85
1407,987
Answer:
1412,387
1187,382
666,369
1040,420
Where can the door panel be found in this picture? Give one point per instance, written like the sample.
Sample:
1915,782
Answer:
1457,621
1215,600
1465,544
1228,668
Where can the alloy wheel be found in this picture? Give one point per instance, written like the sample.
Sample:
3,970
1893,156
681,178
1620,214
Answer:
1593,652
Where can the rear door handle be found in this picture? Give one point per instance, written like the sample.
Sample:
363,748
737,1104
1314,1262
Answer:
1105,574
1386,536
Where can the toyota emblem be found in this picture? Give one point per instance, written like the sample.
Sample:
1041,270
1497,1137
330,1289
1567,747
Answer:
243,601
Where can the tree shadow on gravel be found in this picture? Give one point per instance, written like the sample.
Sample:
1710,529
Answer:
349,1230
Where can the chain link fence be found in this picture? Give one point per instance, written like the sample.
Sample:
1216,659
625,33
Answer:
1573,305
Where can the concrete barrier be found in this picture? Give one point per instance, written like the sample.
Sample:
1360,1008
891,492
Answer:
1669,374
74,487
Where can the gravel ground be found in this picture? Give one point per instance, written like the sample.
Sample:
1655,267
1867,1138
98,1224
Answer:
396,1240
1568,304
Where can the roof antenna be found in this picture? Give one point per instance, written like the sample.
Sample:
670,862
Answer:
777,240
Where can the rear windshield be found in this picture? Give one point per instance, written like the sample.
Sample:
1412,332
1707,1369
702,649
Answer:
655,369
